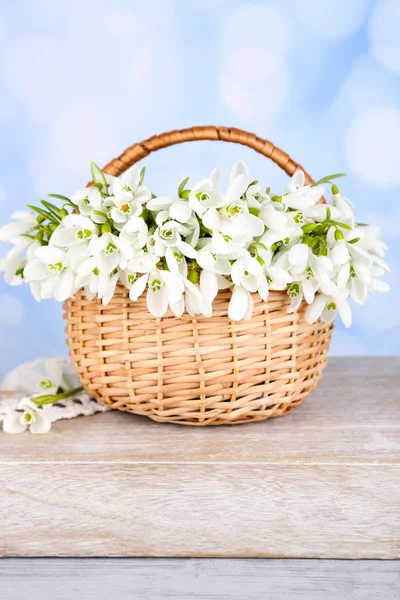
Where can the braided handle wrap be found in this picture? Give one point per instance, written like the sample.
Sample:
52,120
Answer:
211,132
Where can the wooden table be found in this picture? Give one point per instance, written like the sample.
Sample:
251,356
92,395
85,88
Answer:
322,482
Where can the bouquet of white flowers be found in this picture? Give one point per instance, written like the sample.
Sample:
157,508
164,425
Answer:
182,249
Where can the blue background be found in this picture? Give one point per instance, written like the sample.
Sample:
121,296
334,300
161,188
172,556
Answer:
81,80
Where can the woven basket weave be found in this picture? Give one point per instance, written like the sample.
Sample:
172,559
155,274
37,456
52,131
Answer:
197,371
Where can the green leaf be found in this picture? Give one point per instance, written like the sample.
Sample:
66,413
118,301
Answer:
98,178
43,213
354,240
339,224
64,199
182,186
328,178
328,213
142,174
54,210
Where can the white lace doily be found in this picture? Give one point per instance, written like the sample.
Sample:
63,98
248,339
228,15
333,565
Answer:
79,405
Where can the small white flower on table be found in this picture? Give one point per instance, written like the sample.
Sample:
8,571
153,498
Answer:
32,417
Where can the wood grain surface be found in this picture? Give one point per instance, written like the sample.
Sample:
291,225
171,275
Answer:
322,482
202,579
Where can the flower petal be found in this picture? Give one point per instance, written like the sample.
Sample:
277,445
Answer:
12,423
340,253
138,287
298,254
40,424
315,309
344,311
238,304
180,211
208,286
157,301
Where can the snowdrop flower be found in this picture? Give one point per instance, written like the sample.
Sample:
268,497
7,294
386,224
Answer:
371,240
39,377
248,273
193,292
74,235
31,417
164,289
303,263
168,235
280,226
13,269
344,207
108,252
128,196
205,194
23,222
141,262
178,209
327,307
87,200
50,269
241,304
135,233
75,230
96,284
300,196
299,290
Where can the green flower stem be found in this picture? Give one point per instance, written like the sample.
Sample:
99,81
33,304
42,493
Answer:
50,399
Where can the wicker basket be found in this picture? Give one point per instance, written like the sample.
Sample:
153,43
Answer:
197,371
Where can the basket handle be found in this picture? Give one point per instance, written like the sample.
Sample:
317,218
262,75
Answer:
227,134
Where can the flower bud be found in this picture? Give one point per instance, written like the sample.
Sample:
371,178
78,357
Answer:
335,189
309,227
63,213
193,276
106,228
339,235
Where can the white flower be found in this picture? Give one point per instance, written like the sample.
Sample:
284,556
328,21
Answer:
13,269
168,235
23,223
164,289
371,240
248,273
108,252
128,197
141,262
31,417
135,233
39,377
327,308
241,304
344,207
298,290
300,196
303,263
178,209
280,226
205,194
49,268
74,235
96,284
87,200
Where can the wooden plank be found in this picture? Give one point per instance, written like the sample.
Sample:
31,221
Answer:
157,579
322,482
